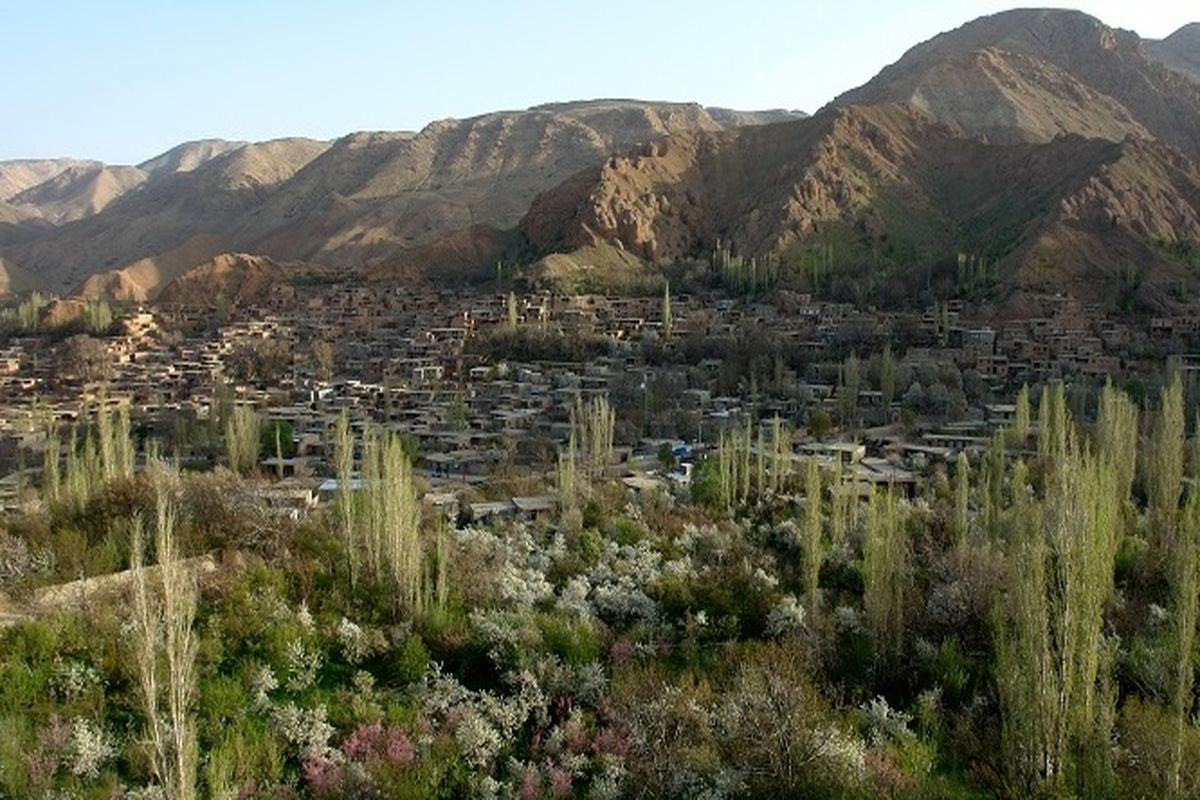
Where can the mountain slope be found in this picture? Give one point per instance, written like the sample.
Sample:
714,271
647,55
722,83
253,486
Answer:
363,199
1031,74
20,174
372,195
187,156
892,197
168,213
1180,51
78,192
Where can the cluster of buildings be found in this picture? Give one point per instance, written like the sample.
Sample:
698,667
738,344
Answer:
409,360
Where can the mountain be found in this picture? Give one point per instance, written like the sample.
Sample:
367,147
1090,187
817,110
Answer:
890,197
1029,151
193,211
1180,51
20,174
373,195
65,190
78,191
363,199
1032,74
187,156
236,278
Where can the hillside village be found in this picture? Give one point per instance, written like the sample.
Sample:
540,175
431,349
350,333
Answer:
406,360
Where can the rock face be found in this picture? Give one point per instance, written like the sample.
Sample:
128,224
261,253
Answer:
1029,75
360,201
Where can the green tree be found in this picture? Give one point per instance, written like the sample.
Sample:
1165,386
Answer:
962,494
242,439
1185,585
277,437
819,424
887,376
343,460
165,648
886,572
1021,420
847,391
668,320
1164,464
1053,661
813,548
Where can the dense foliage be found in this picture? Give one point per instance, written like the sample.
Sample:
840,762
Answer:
1022,625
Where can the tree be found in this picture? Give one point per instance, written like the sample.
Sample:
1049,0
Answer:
343,460
593,425
511,314
85,358
1117,434
1185,585
394,552
1053,660
668,321
847,391
242,439
51,482
1164,464
819,424
278,438
781,455
885,572
813,549
165,648
260,361
962,493
1021,416
887,376
322,357
1052,421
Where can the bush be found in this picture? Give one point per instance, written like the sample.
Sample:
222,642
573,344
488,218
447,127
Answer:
575,641
1147,731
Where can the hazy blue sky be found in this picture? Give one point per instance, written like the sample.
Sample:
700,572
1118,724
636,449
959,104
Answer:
122,81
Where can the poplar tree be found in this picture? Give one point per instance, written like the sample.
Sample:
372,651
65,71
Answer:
1164,464
343,459
813,551
839,505
394,553
848,390
1185,585
51,481
781,455
1052,421
885,572
887,376
962,493
511,316
1053,662
165,648
1117,435
567,475
668,320
1021,420
242,434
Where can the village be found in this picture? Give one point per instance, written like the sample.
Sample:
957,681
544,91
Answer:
483,385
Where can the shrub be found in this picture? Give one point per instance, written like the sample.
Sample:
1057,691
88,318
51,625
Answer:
575,641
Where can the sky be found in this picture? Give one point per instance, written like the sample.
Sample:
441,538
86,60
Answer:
123,80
